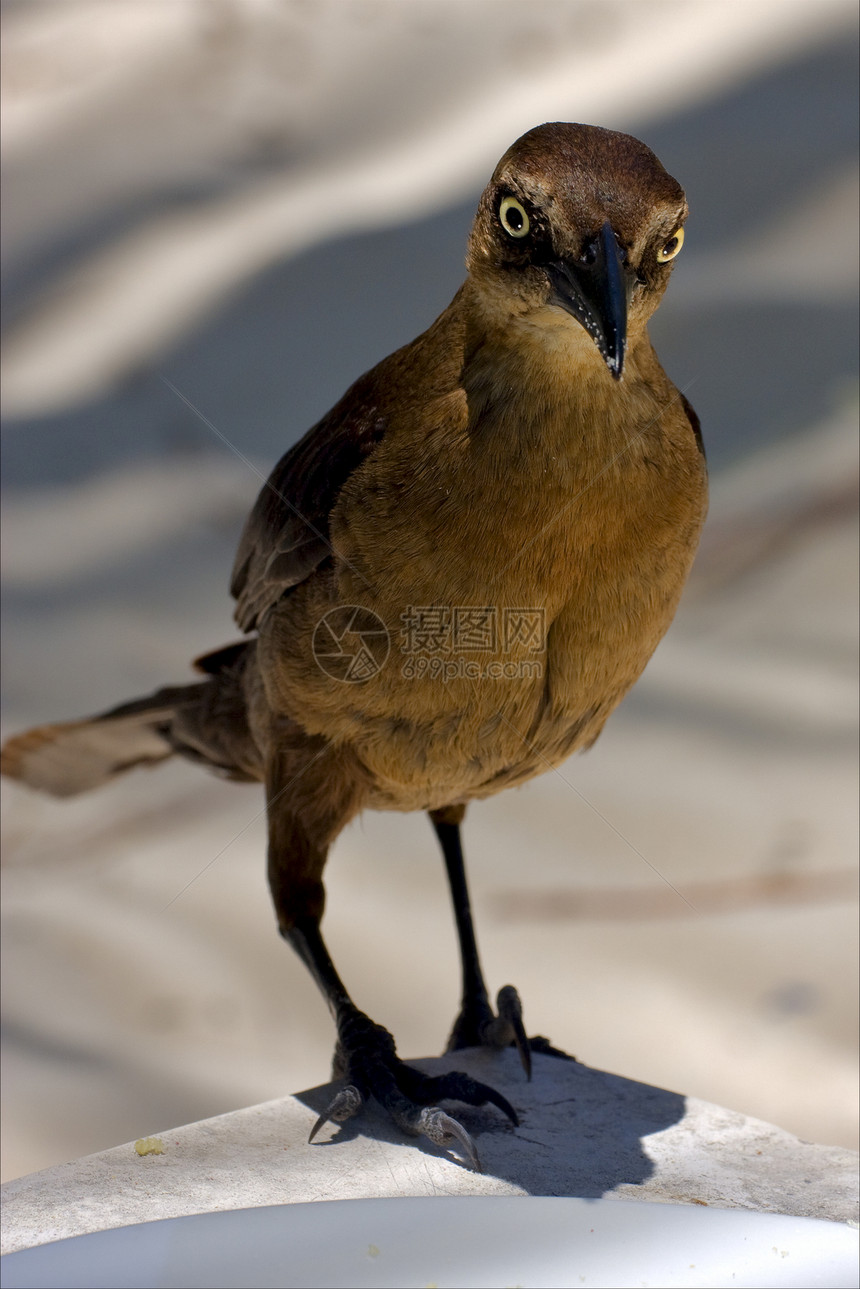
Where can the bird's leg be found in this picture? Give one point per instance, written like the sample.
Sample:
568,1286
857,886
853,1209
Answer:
301,823
477,1024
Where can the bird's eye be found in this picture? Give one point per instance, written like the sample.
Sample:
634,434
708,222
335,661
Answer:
670,249
513,218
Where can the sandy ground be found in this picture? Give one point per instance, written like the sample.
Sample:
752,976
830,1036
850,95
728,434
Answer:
689,911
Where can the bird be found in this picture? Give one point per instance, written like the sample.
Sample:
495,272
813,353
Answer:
451,581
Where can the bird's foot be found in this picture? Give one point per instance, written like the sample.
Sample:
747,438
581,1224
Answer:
478,1026
366,1059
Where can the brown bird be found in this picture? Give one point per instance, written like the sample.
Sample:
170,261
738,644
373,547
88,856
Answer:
454,577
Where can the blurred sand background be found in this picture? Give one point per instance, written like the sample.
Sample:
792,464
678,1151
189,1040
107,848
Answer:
255,200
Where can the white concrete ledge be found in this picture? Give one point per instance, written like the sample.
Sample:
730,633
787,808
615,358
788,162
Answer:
583,1133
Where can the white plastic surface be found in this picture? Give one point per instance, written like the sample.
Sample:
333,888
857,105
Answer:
462,1242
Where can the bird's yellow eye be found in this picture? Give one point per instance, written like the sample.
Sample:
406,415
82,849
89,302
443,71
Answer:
670,249
513,218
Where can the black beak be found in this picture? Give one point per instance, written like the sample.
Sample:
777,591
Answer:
594,289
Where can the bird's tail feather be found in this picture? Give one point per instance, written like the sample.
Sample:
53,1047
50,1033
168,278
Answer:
75,756
206,722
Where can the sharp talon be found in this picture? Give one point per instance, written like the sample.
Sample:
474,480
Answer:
457,1086
525,1051
323,1119
343,1106
503,1104
510,1009
441,1128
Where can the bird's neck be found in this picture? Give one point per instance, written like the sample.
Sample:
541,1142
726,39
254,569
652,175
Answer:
537,380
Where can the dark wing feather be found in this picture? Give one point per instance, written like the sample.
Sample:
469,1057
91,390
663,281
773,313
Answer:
695,423
286,536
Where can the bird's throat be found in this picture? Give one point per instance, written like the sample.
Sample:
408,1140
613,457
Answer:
540,386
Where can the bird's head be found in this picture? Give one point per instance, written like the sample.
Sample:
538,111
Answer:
578,228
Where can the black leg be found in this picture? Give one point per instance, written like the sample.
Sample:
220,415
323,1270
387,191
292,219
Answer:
309,800
476,1024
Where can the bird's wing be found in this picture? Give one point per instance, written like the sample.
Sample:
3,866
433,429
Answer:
695,423
287,533
286,536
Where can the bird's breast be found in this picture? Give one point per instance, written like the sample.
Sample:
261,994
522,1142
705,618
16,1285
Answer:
521,587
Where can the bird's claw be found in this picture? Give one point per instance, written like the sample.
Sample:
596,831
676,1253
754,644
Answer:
441,1128
477,1026
455,1086
540,1044
347,1102
367,1059
511,1028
